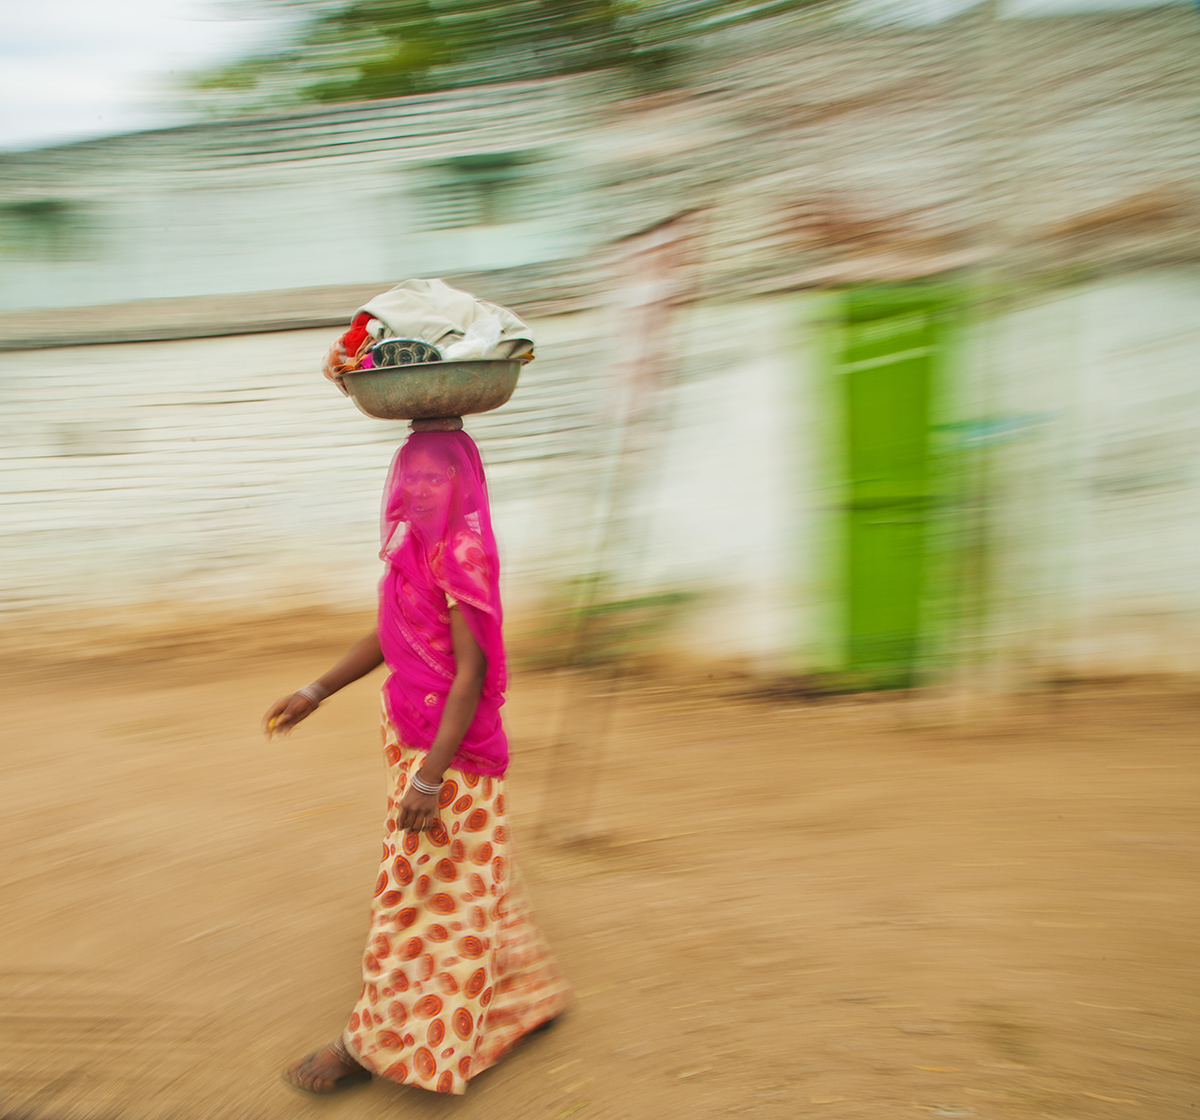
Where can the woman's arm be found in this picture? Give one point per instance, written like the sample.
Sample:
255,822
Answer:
288,711
419,810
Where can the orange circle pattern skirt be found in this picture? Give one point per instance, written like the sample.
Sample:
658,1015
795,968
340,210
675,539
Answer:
455,972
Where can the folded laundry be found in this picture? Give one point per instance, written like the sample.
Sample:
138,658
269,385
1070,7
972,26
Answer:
458,324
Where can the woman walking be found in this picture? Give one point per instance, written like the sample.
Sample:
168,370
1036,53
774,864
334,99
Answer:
454,973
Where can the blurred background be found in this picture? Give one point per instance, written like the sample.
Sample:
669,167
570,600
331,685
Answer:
867,331
853,498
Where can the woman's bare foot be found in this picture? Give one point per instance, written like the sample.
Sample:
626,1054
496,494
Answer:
325,1070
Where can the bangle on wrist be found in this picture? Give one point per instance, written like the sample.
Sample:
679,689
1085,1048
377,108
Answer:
430,789
314,693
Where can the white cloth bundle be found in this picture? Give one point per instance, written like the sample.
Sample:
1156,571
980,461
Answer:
459,325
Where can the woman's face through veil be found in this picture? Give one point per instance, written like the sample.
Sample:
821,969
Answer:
428,489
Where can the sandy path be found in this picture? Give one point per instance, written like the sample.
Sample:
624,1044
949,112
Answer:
826,910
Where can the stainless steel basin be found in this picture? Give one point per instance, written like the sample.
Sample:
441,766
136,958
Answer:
427,390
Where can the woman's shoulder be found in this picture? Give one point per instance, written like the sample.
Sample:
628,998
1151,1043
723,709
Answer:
467,545
473,571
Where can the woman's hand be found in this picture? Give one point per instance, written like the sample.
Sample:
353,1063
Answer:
418,811
285,713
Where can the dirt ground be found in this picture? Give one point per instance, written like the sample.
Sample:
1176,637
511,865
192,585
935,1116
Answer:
838,909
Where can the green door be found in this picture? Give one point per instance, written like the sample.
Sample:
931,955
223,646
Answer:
884,370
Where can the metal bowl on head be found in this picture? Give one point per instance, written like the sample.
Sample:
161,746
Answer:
429,390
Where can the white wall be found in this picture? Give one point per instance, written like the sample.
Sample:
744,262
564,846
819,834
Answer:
226,472
1097,496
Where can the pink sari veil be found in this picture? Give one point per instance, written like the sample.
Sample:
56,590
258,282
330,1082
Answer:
438,544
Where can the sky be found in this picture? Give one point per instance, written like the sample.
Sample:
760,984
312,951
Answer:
74,69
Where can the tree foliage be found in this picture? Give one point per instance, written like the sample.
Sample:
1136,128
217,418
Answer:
349,50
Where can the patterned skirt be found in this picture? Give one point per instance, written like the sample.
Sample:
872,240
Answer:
455,972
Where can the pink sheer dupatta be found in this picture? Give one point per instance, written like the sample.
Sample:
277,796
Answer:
438,546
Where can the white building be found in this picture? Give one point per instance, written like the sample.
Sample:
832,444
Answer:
171,450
